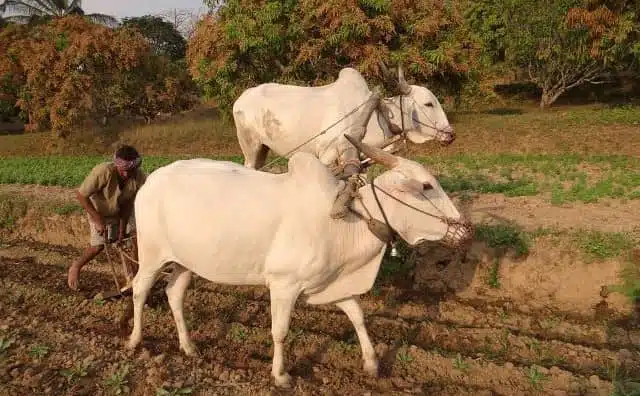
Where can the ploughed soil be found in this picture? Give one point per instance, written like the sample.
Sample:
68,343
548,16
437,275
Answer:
439,328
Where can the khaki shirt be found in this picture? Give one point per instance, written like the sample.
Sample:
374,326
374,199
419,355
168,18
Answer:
103,190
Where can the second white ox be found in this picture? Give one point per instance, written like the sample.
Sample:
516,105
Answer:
234,225
287,118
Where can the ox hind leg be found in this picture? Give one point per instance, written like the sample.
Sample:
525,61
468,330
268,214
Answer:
255,153
176,288
353,311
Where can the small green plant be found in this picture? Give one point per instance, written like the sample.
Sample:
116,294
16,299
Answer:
5,343
403,355
536,378
630,275
238,332
75,373
460,364
174,391
494,280
67,209
39,351
117,382
623,385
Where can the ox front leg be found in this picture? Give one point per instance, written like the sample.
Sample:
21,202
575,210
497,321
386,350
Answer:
351,307
283,298
175,290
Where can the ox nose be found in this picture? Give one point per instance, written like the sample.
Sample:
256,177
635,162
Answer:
449,135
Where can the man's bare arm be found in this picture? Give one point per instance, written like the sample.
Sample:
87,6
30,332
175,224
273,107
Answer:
91,210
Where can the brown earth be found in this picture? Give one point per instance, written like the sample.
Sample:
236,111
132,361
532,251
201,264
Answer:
532,213
544,330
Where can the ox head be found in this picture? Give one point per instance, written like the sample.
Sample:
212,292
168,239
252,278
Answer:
421,112
413,201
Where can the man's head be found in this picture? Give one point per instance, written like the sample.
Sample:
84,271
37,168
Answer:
127,161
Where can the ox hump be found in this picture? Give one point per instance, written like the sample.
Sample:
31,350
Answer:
307,169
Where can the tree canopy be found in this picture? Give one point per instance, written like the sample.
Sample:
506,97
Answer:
308,41
162,35
37,11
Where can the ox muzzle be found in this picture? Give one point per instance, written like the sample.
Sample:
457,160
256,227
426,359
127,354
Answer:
459,234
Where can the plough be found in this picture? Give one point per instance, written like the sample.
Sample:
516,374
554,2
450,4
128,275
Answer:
126,260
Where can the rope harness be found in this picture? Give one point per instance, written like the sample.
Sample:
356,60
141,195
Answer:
316,135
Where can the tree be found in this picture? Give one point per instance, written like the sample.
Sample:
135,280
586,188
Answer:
560,44
162,35
245,43
184,20
37,11
74,73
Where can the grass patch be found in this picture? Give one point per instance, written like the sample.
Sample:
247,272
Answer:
69,171
630,276
561,178
504,237
602,245
12,208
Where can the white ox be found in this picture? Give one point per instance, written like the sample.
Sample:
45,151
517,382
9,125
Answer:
234,225
287,118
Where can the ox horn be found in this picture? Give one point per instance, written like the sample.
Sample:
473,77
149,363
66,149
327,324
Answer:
404,87
376,154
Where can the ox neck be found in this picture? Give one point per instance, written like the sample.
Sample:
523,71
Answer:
376,219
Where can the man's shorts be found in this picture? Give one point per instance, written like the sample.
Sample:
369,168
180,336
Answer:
112,231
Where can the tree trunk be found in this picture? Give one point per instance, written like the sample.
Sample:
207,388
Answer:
549,96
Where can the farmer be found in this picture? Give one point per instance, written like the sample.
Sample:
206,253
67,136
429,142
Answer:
107,194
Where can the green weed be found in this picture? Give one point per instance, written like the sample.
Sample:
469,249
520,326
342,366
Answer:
602,245
174,391
5,344
238,332
117,382
76,372
12,208
460,364
39,351
536,378
493,280
67,209
504,237
403,355
630,276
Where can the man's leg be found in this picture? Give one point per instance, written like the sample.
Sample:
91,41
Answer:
96,245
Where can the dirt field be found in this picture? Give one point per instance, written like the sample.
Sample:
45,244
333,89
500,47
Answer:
439,328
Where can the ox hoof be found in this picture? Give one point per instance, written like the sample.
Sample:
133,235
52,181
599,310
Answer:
371,368
282,380
189,349
132,344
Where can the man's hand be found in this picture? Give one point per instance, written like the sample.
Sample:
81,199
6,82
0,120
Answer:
97,221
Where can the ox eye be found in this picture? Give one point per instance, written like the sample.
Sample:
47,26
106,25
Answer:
427,186
429,104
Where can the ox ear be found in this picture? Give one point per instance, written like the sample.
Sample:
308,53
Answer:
380,156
